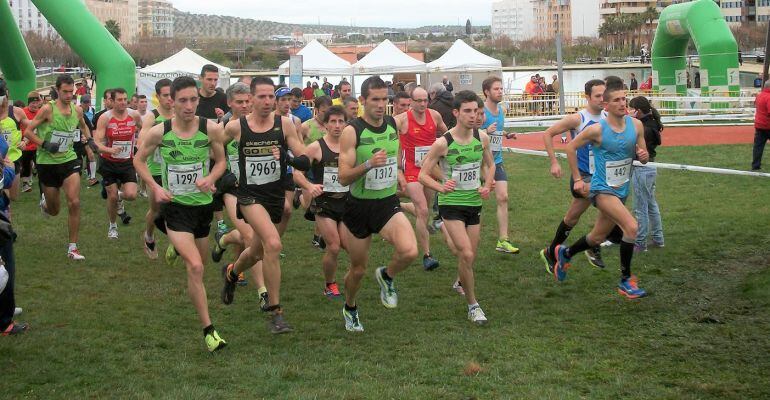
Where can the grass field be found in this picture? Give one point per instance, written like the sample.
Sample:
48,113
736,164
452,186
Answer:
120,326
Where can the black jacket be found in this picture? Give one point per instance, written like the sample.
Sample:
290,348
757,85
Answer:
651,134
443,104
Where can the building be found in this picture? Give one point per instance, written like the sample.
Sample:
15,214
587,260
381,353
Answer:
124,12
29,19
156,18
739,11
552,16
514,19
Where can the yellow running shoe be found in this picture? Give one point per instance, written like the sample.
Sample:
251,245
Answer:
214,342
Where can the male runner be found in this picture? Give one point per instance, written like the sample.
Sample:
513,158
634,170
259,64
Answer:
114,138
346,90
401,103
313,129
54,130
298,109
141,105
466,161
616,142
81,149
261,195
12,121
284,98
575,124
164,112
185,142
494,125
34,102
351,107
213,102
369,163
417,129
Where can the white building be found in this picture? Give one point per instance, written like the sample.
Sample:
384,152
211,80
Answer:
586,18
156,18
29,19
513,18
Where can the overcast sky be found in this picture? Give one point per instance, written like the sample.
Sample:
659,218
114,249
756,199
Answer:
391,13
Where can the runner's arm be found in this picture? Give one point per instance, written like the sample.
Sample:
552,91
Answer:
150,141
313,152
217,151
232,131
487,162
300,161
348,170
441,127
565,124
437,150
100,136
592,134
304,131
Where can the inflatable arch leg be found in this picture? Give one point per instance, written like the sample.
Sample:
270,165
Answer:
16,63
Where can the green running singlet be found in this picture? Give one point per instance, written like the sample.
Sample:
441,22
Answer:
62,129
463,164
184,161
380,182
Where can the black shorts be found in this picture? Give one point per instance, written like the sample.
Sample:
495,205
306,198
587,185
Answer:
470,215
329,207
288,183
363,217
182,218
273,208
53,175
586,179
117,172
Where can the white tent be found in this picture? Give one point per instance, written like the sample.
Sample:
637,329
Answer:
318,60
184,63
386,58
463,58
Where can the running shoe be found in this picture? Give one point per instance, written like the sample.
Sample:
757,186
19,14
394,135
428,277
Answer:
17,311
150,249
218,250
564,139
606,243
112,232
476,315
172,257
429,263
437,223
262,299
594,257
630,289
388,295
214,342
222,228
655,245
42,207
316,241
74,254
296,201
124,217
547,260
332,291
504,246
458,287
639,249
26,187
242,280
562,263
92,182
228,289
15,328
278,324
352,323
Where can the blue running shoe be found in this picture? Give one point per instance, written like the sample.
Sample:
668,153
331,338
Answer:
562,263
630,289
429,263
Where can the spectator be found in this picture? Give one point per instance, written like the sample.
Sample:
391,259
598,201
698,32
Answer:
447,84
645,205
391,91
550,94
555,85
297,108
647,85
345,90
740,57
212,101
80,90
761,126
696,80
441,100
634,84
317,92
307,92
758,81
409,88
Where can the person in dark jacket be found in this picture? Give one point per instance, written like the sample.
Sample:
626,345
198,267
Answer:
441,101
645,205
9,183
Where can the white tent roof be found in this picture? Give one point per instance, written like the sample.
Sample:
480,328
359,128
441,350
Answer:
318,60
184,62
386,58
461,58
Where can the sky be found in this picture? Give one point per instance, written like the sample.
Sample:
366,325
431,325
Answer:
396,13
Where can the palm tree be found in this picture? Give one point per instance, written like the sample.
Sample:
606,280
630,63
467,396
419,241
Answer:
113,28
649,16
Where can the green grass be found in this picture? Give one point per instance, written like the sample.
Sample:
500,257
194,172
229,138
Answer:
119,325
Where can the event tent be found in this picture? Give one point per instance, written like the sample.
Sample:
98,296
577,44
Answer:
318,60
463,58
386,58
184,63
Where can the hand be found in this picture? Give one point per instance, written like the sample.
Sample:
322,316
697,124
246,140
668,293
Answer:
511,135
50,147
449,186
276,152
484,192
580,187
556,169
113,150
492,127
378,159
219,112
161,195
401,188
22,144
205,185
642,155
315,190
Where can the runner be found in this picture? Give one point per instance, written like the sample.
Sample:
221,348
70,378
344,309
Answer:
327,193
417,129
213,102
114,137
83,151
34,102
260,137
164,112
54,130
346,90
297,108
575,124
368,162
466,160
401,103
184,143
494,125
12,121
616,142
313,129
351,108
284,98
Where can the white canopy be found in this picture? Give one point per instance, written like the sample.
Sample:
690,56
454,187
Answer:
184,63
463,58
386,58
318,60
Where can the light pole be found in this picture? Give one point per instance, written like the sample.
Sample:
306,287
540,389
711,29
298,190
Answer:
559,61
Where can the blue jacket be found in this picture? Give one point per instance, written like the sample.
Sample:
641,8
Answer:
302,112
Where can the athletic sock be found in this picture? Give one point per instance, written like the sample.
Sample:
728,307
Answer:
148,238
577,247
72,246
92,169
616,235
562,232
233,275
208,330
349,308
384,274
113,225
626,253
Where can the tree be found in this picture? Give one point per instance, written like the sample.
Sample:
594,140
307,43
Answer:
468,28
113,28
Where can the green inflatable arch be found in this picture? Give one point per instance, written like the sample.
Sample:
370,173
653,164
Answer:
112,65
702,22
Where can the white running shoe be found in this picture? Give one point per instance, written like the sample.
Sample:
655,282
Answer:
17,311
74,254
42,206
121,207
112,233
476,315
457,287
388,294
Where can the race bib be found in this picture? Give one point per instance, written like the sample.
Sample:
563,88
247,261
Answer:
591,162
618,172
262,170
382,177
332,181
181,178
78,135
419,154
7,136
65,140
125,147
233,160
467,176
496,141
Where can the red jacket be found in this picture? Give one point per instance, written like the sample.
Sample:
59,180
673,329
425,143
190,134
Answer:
762,115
